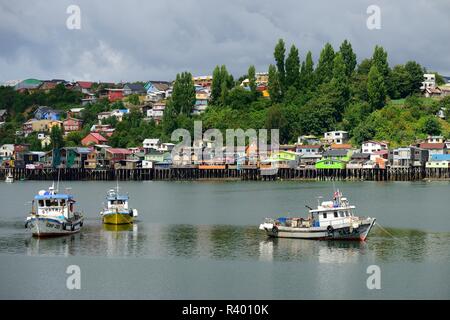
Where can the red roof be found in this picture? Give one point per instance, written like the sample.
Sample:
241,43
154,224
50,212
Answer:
432,145
118,151
98,136
85,84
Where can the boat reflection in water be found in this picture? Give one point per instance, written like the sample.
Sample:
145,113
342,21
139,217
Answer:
304,250
119,240
60,246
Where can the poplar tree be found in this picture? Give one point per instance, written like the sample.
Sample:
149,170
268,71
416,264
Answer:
293,68
279,55
349,57
376,90
274,86
324,71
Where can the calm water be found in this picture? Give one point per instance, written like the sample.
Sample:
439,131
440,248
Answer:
199,240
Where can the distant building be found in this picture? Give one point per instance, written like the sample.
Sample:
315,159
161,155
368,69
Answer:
133,88
438,161
336,137
151,144
434,148
429,81
46,113
114,94
373,146
334,159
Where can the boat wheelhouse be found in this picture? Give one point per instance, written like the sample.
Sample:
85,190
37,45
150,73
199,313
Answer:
53,214
117,210
331,220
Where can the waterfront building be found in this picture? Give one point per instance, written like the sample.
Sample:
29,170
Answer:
72,124
434,148
334,159
407,157
438,161
151,144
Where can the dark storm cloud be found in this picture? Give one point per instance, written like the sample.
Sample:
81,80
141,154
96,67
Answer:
139,40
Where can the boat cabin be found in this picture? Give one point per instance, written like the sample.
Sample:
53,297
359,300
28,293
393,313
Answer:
53,204
115,200
332,213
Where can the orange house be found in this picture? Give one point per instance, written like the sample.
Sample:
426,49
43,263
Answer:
93,138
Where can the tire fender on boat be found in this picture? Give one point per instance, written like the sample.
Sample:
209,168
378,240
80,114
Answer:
275,229
330,230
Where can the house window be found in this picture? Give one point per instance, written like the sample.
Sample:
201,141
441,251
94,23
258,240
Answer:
324,215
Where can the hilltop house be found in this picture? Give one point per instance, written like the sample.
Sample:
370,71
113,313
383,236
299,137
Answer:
93,138
334,159
34,125
29,85
114,94
72,124
46,113
157,111
133,88
157,90
336,137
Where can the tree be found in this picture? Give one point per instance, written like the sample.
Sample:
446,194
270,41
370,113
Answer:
56,137
274,85
252,79
306,77
279,55
415,76
376,90
379,59
432,126
364,67
183,94
292,68
276,120
324,71
349,57
222,82
339,84
400,82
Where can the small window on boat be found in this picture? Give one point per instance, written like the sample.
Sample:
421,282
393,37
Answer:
324,215
48,203
336,214
41,203
341,214
62,202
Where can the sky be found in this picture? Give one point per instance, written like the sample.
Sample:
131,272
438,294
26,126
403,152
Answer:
139,40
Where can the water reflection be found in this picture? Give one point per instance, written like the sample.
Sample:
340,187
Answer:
228,243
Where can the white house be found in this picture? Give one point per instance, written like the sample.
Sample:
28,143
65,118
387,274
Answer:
336,137
371,147
429,81
6,151
150,144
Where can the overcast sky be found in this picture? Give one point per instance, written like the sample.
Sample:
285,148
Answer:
153,40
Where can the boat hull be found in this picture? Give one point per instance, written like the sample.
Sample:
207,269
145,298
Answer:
117,218
48,227
346,232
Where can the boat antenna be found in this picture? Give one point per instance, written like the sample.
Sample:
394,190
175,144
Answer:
57,185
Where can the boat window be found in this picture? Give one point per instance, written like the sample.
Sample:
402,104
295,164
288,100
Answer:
41,203
324,215
62,202
336,214
341,214
48,203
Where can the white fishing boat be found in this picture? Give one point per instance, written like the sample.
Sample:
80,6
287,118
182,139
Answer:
331,220
9,178
53,214
117,210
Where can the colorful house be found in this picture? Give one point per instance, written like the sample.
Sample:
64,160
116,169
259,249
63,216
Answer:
114,94
93,138
46,113
72,124
438,161
334,159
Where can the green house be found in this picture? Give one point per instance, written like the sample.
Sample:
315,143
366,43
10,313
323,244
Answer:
334,159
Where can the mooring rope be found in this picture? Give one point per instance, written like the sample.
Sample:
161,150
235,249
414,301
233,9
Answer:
387,232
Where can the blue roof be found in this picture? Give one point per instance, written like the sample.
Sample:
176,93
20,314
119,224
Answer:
440,157
53,196
119,197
